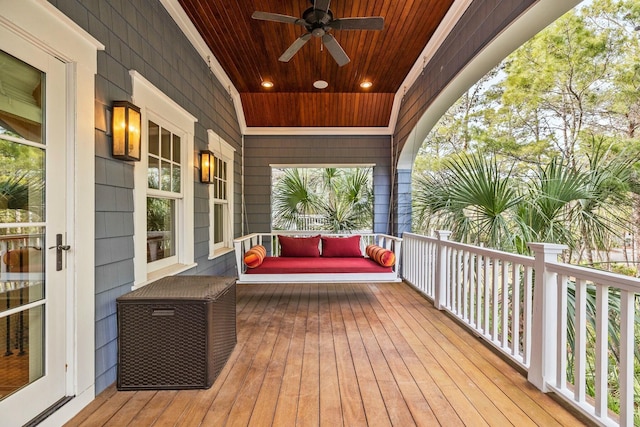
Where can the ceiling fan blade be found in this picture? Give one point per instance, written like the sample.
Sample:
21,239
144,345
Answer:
368,23
335,49
295,47
276,17
322,5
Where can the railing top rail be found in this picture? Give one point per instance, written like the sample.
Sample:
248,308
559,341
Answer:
599,277
317,232
486,252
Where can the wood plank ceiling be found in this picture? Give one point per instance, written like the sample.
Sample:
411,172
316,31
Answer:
248,51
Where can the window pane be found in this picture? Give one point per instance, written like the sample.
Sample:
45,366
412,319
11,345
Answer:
165,176
218,223
175,182
21,183
153,174
165,149
154,138
20,333
176,148
160,228
21,87
21,266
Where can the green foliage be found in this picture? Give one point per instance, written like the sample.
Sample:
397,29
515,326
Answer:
341,200
21,182
159,214
545,148
472,198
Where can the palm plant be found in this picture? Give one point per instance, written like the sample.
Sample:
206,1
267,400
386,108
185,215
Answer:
473,198
292,200
545,211
348,206
341,198
604,213
21,192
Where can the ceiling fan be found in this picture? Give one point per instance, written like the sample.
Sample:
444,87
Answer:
319,21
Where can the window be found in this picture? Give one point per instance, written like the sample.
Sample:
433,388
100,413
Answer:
336,198
221,197
164,190
163,193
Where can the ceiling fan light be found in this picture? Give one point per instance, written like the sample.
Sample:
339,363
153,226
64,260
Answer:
320,84
267,84
366,84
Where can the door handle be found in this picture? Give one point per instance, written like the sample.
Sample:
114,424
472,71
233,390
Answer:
59,248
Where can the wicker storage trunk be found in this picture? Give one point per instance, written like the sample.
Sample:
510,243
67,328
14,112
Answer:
176,333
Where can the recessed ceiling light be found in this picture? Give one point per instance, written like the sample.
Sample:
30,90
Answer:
366,84
320,84
267,84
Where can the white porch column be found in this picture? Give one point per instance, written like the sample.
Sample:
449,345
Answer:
544,326
439,292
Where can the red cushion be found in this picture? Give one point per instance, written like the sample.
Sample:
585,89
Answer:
282,265
299,246
341,247
254,256
382,256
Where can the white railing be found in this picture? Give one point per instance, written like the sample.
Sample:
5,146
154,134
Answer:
492,292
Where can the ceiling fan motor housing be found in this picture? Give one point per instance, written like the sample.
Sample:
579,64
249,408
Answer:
317,20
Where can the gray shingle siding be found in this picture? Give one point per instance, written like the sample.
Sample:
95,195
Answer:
263,151
140,35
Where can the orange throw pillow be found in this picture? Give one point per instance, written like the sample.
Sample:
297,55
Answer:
254,256
382,256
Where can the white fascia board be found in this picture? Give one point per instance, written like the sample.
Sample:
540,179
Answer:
268,131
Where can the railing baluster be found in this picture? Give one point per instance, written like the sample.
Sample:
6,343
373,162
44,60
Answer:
504,284
602,350
487,296
580,356
494,306
479,269
626,374
458,284
528,302
466,290
561,370
515,311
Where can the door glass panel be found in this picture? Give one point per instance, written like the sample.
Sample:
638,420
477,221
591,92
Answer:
22,224
21,335
21,96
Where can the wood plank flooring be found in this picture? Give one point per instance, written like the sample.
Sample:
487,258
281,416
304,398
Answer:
342,354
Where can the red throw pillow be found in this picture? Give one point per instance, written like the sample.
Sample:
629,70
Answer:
341,247
382,256
299,246
254,256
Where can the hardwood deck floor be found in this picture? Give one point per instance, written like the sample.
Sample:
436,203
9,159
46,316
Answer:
336,354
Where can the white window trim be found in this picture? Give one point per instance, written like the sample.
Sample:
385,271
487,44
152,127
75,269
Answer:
223,150
158,107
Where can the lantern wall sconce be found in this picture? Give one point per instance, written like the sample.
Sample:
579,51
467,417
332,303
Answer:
207,167
126,123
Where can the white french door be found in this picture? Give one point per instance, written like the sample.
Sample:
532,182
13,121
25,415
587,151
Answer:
33,220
